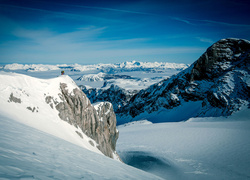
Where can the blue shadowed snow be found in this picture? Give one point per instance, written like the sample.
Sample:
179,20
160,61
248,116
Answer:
150,162
197,149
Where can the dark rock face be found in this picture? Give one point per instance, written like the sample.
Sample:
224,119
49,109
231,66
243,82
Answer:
222,56
118,96
77,110
14,99
219,79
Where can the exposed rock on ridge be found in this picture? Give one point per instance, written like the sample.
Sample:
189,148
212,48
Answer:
221,57
77,110
107,116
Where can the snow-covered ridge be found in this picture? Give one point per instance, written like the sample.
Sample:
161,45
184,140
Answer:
27,105
57,107
92,77
124,66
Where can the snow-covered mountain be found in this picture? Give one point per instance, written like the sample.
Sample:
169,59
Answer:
102,77
30,67
57,106
92,77
140,66
217,84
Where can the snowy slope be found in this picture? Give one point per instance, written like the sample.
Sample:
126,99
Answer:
27,153
23,98
202,148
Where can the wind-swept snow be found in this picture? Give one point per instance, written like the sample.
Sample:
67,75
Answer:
27,153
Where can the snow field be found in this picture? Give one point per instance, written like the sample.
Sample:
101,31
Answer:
189,150
28,153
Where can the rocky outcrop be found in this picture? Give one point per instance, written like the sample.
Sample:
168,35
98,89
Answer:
14,99
100,125
221,57
108,134
219,80
115,94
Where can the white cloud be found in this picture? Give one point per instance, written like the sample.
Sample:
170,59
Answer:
181,20
206,40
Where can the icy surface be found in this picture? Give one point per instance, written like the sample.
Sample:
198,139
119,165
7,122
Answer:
218,149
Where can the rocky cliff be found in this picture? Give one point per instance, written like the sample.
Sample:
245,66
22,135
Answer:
217,84
107,132
100,125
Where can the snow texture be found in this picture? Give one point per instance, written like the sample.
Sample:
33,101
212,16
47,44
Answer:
202,148
28,153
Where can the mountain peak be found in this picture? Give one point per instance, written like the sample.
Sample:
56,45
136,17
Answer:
220,57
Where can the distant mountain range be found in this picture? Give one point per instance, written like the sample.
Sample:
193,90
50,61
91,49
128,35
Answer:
106,68
102,77
217,84
132,75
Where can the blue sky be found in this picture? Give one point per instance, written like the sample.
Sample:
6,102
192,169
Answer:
103,31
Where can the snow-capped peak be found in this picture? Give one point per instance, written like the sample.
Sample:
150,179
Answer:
92,77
